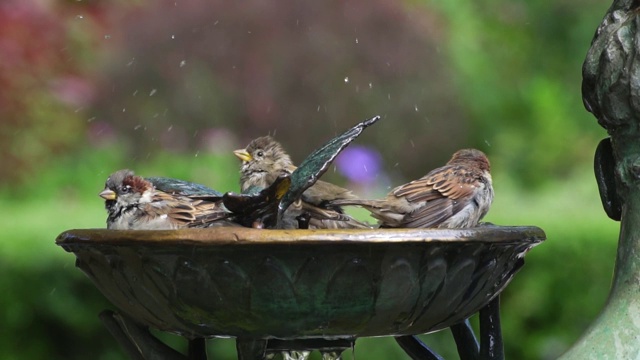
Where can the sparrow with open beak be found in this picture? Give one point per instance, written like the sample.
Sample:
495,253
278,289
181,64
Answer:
264,159
134,203
457,195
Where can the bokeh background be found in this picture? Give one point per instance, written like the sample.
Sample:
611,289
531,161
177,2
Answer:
170,88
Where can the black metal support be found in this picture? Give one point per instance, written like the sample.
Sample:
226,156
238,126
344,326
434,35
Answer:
136,340
139,344
197,349
491,345
466,342
416,349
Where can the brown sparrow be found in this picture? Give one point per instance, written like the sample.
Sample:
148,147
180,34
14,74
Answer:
264,159
457,195
134,203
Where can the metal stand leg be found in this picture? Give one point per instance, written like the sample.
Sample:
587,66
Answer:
491,345
416,349
197,349
136,341
466,341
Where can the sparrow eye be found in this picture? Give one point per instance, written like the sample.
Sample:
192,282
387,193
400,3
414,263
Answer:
260,153
125,189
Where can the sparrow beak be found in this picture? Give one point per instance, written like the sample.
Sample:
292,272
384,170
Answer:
242,154
108,194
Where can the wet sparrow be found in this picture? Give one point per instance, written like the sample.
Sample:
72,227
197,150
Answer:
264,159
134,203
457,195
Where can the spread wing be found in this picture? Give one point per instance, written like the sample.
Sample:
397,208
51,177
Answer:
444,191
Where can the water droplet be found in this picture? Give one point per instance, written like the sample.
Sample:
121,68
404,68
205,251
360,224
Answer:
346,79
370,85
124,109
137,127
183,63
356,40
135,93
107,37
197,153
80,17
415,107
173,36
412,144
487,142
153,92
170,128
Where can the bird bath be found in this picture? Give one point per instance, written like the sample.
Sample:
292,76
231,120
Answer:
284,289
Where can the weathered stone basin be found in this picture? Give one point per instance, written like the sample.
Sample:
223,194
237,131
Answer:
296,284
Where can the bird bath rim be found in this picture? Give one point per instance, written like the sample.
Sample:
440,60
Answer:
246,236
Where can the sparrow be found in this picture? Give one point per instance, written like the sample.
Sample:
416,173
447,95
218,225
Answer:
264,160
457,195
134,203
182,187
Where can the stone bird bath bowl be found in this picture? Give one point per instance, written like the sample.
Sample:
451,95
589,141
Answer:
301,284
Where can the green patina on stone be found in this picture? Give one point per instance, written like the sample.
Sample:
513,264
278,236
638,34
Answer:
611,91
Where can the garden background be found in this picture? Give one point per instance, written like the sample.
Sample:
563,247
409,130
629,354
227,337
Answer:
170,88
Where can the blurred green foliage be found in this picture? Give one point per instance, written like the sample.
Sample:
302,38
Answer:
170,88
52,307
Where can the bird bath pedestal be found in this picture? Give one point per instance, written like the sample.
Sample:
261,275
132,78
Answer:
276,290
611,91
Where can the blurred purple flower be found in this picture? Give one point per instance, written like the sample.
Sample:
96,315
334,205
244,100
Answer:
360,164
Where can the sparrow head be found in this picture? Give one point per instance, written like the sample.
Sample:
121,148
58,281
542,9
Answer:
125,188
263,154
473,156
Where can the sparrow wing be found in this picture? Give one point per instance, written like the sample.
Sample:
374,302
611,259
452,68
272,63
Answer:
183,210
454,182
444,191
431,214
207,212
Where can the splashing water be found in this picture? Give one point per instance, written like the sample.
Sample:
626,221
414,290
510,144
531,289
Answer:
331,355
295,355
